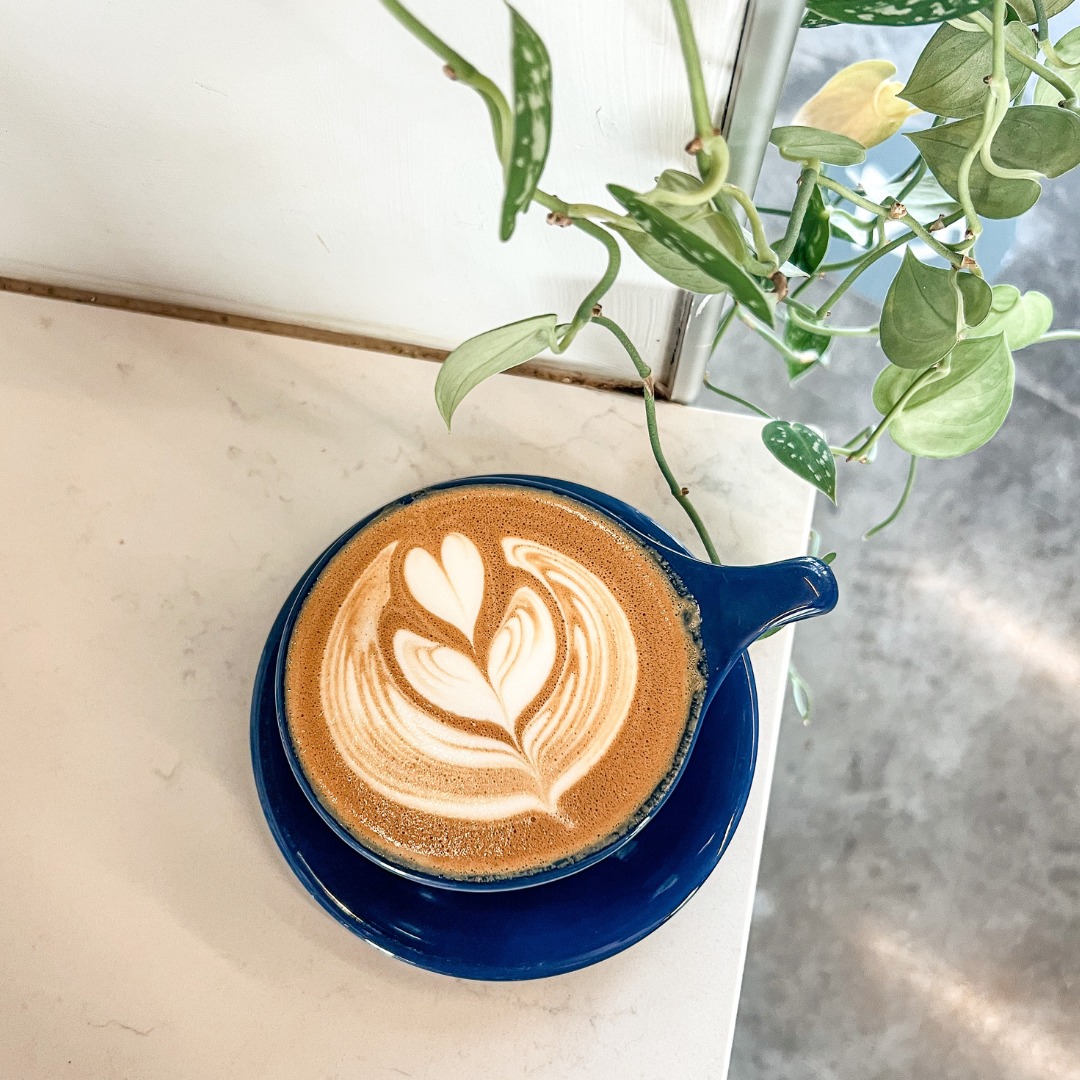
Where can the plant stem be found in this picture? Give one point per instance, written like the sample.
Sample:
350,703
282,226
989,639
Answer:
1056,58
843,451
716,149
912,167
677,490
861,266
1058,335
883,214
778,344
738,400
865,227
1000,93
1044,39
843,264
462,71
995,109
761,242
900,505
862,435
868,260
773,210
807,183
797,317
1068,94
839,331
585,309
1040,18
916,176
590,210
963,176
699,99
992,117
722,328
931,374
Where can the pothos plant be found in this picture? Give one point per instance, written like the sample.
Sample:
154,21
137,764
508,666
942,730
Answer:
948,337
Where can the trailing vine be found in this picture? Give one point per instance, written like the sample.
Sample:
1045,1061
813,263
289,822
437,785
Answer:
949,338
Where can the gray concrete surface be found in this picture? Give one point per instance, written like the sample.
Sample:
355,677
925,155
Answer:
918,914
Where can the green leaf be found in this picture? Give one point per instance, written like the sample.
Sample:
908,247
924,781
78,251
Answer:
813,21
957,413
683,183
813,144
948,76
1023,319
919,316
1030,137
943,149
919,319
977,298
1026,9
813,239
1040,137
889,12
1068,48
800,695
713,227
686,243
671,265
532,121
804,452
487,354
815,347
846,230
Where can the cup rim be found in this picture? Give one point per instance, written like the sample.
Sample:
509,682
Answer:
643,529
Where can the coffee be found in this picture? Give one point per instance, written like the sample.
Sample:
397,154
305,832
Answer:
491,680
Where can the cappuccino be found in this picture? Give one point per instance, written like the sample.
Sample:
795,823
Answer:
491,680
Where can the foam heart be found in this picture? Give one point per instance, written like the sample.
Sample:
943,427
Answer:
453,590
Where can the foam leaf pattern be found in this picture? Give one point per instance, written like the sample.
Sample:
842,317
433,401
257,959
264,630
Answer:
555,686
449,679
522,653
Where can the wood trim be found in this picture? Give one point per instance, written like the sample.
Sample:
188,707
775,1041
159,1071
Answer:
116,301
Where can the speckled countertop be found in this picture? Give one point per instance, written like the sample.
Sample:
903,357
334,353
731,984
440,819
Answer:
164,485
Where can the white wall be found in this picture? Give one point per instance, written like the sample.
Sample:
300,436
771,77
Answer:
309,161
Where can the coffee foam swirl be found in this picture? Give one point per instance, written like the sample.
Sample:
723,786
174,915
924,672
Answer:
534,727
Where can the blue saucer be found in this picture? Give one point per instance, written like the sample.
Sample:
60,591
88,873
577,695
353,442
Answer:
526,933
533,932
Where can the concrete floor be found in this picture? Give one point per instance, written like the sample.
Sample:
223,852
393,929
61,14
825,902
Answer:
918,914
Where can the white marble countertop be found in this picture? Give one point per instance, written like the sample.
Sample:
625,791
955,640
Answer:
163,485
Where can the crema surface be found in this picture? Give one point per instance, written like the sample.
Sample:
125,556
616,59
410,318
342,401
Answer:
491,680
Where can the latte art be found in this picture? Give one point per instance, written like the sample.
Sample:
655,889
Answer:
489,680
543,729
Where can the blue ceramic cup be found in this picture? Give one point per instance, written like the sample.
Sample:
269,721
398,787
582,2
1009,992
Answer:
737,605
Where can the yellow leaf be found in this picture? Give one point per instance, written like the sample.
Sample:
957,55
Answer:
860,102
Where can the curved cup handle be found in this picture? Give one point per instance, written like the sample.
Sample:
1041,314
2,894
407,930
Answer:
740,603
